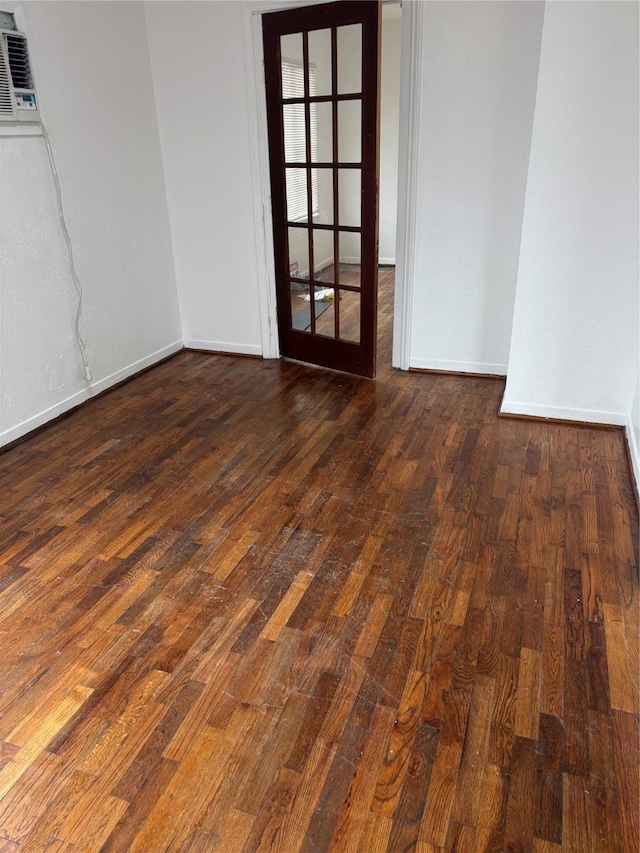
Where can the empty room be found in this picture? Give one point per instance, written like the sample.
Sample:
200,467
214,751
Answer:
319,426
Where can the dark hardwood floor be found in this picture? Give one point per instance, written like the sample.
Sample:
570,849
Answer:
252,605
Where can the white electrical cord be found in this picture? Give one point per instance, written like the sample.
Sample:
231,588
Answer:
67,239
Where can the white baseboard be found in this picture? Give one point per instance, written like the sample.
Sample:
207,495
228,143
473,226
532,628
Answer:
135,367
634,450
25,427
387,262
458,366
563,413
224,347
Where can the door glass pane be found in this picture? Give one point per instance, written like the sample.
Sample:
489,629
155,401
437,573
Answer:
322,254
298,252
300,311
292,69
350,59
322,187
320,60
349,197
349,246
350,316
325,311
295,137
349,131
296,187
321,116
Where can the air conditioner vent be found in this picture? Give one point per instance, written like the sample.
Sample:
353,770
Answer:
18,101
19,61
7,103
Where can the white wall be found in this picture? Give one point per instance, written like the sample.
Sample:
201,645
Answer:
201,101
349,135
574,350
389,116
93,79
633,431
480,64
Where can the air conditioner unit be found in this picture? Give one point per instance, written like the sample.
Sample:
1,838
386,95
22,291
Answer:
18,102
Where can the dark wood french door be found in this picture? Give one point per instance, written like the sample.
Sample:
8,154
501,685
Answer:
322,87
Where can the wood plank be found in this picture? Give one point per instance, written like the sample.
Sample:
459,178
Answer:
352,824
504,712
547,813
493,810
400,743
623,685
375,837
470,781
603,785
291,833
575,814
373,626
528,697
439,804
273,629
627,765
519,823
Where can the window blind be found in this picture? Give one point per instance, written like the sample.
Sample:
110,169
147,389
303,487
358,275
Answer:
295,144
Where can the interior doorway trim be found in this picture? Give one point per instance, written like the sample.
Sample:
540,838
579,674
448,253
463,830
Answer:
410,75
408,148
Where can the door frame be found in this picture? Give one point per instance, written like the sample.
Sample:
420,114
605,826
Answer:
410,80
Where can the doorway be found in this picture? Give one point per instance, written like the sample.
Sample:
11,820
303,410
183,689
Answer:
409,57
388,184
322,95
